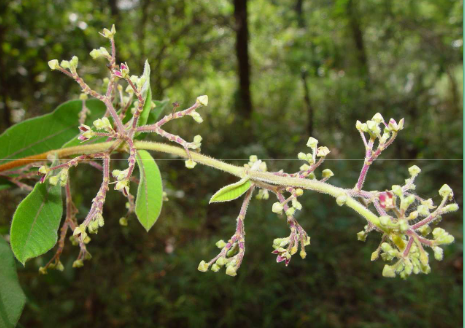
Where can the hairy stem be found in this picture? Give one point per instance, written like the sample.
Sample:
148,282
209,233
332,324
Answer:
238,171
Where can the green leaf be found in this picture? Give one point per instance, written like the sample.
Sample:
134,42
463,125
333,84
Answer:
157,111
12,297
150,192
47,132
146,95
36,221
232,191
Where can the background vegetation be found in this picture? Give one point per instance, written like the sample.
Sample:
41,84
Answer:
276,72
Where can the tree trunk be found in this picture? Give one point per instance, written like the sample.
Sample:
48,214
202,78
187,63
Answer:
308,103
244,104
303,73
114,9
357,35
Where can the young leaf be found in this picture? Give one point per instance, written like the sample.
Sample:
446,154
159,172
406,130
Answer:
146,95
232,191
150,192
12,297
36,221
47,132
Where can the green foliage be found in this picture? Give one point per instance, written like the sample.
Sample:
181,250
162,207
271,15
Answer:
12,298
146,95
156,113
50,131
232,191
36,221
149,199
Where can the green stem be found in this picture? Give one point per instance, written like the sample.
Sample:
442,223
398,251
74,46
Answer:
238,171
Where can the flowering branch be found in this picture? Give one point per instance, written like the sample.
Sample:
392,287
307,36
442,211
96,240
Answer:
401,217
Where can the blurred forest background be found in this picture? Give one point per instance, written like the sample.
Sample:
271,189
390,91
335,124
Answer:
276,72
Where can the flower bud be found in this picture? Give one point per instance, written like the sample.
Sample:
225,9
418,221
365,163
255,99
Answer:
450,208
44,169
296,204
406,202
396,189
202,100
378,118
65,64
73,63
312,143
413,215
307,241
299,192
220,243
302,156
341,200
305,167
303,254
215,267
423,210
60,266
95,53
123,222
362,236
221,261
277,208
371,125
322,151
388,271
364,127
327,173
358,125
106,33
196,116
100,220
424,230
53,180
190,164
198,139
203,266
290,211
438,253
42,270
375,255
53,64
414,170
231,271
78,264
445,191
403,225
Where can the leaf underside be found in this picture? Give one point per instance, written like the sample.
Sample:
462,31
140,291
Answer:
46,132
149,198
36,221
12,297
232,191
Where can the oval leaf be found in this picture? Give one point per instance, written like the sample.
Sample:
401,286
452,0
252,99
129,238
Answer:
12,298
46,132
36,221
150,192
232,191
